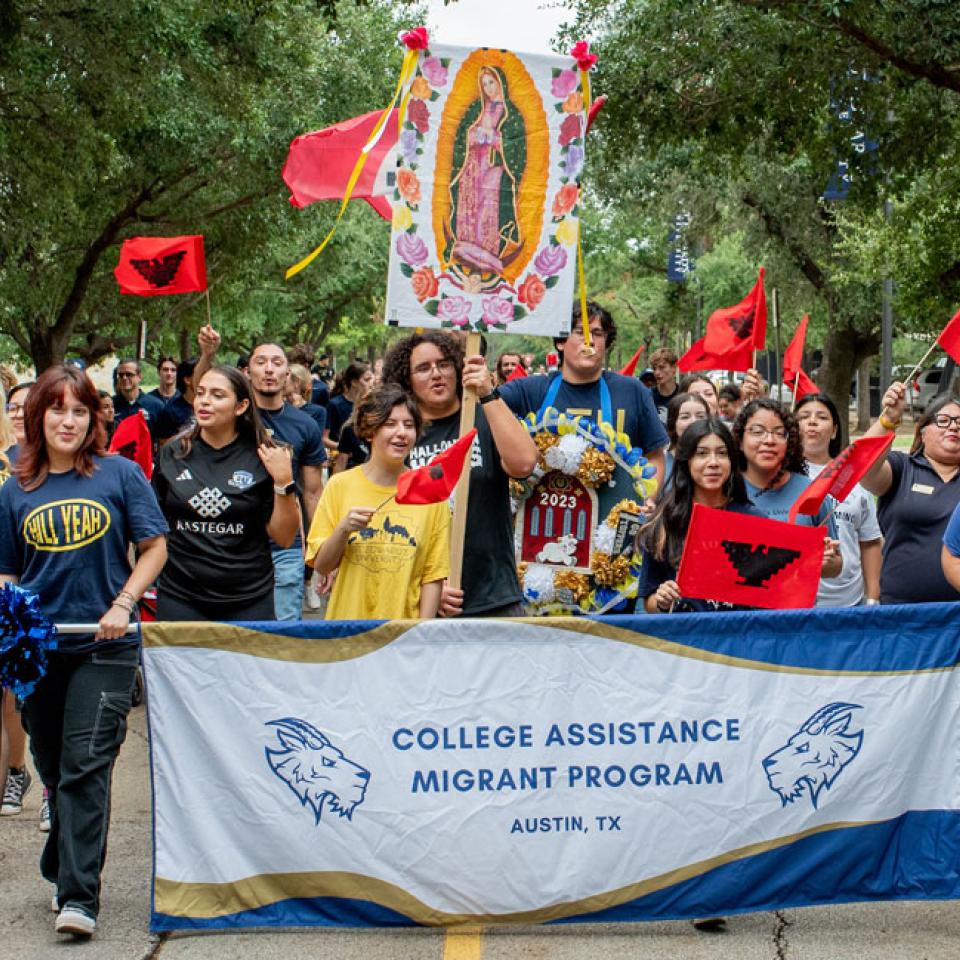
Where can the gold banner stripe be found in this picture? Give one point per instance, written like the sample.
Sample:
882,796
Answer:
211,900
462,944
230,638
610,632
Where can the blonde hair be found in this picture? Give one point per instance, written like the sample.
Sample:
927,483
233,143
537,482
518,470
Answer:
7,439
302,381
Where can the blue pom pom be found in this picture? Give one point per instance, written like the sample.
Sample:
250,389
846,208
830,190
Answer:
649,472
26,636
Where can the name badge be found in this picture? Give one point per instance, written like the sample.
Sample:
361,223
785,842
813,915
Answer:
922,488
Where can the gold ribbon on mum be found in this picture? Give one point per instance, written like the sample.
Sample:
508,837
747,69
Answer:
406,72
584,319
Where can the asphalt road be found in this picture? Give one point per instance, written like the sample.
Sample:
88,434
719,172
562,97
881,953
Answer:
911,931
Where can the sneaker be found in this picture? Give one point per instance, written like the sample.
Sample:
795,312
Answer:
18,785
45,812
74,921
55,901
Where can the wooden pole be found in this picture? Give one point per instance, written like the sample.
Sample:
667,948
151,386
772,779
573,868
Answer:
209,318
468,409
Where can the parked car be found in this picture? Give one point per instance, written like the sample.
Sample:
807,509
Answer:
924,388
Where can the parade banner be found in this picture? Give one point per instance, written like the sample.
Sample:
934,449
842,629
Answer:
497,771
485,221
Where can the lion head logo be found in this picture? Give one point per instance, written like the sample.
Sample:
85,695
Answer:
315,770
814,756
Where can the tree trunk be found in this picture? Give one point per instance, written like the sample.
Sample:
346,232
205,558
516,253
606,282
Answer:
863,395
48,346
843,351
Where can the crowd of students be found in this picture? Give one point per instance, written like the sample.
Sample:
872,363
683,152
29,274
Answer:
260,468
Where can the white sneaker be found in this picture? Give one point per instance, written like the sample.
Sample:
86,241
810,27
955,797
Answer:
74,921
54,901
45,813
18,785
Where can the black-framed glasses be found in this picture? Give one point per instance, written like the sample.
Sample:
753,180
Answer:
943,421
127,373
15,409
760,433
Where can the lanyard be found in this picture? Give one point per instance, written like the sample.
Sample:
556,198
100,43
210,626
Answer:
606,404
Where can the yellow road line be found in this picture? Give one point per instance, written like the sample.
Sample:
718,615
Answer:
462,943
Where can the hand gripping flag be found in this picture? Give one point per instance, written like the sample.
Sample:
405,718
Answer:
841,474
732,327
793,375
698,358
435,482
319,164
949,338
738,558
150,266
630,368
133,441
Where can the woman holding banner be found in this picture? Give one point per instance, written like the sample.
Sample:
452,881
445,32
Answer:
917,494
66,521
705,471
226,489
391,559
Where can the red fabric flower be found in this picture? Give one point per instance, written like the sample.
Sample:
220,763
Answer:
532,291
424,284
580,52
419,115
569,129
565,200
416,39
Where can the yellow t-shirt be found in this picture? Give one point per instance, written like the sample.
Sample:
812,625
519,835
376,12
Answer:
384,564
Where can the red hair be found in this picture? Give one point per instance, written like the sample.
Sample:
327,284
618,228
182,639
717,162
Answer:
33,461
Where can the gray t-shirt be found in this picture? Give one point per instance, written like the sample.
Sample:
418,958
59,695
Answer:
857,523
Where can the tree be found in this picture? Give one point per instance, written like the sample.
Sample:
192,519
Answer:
117,120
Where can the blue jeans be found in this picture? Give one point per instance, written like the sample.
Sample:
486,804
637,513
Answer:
288,583
77,720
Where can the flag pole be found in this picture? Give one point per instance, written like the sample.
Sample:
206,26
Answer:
468,408
920,363
206,293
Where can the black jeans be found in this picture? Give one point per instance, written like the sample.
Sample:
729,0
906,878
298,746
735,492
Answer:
77,720
173,608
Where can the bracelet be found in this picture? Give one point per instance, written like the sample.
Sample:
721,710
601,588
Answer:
887,423
123,606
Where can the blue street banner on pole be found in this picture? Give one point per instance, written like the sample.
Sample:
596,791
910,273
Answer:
679,261
552,770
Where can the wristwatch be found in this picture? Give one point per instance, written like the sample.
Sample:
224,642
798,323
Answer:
285,490
494,394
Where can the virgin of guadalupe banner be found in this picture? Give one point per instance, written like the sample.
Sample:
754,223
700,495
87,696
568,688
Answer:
485,220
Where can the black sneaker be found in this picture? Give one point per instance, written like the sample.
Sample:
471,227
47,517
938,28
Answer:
18,785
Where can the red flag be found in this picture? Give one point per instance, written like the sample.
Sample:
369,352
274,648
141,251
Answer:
793,355
435,482
630,368
150,266
738,558
949,338
595,108
732,327
804,386
517,373
841,474
319,164
132,440
697,358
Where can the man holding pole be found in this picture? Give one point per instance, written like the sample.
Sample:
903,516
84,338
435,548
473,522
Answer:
431,366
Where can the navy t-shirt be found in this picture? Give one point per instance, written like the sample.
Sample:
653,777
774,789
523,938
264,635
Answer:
633,411
318,413
156,393
339,410
67,540
298,429
319,393
152,408
176,414
913,516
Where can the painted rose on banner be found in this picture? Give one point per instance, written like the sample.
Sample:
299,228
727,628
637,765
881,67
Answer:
486,196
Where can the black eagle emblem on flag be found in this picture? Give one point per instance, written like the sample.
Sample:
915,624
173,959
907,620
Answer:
742,326
160,271
757,563
436,473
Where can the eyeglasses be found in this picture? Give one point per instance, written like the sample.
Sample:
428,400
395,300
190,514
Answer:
127,373
15,409
424,370
577,331
943,421
779,434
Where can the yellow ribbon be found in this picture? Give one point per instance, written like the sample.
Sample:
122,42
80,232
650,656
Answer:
406,71
584,319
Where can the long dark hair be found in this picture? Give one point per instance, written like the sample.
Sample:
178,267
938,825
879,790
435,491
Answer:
932,410
250,427
836,443
793,458
33,462
348,376
663,535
